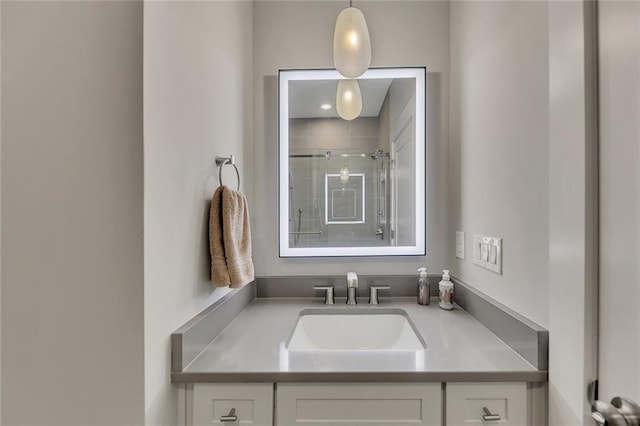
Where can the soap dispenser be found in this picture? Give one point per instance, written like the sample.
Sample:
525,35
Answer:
446,291
423,287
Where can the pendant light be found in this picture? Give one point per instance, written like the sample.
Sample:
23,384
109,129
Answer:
348,99
344,174
351,43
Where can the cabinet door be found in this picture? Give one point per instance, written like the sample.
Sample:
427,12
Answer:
359,404
252,404
466,403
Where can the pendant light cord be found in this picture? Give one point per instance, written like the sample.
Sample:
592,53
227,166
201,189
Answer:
350,3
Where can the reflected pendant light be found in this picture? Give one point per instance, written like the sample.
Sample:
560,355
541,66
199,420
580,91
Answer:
351,43
348,99
344,174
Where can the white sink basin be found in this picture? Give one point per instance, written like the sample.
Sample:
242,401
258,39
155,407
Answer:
354,329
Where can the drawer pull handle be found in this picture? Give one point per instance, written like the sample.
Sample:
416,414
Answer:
231,417
488,417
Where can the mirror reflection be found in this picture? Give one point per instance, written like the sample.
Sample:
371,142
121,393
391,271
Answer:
352,187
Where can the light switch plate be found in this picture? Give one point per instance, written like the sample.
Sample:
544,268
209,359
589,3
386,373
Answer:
487,253
460,245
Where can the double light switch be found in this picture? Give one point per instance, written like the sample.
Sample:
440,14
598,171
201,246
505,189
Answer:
487,252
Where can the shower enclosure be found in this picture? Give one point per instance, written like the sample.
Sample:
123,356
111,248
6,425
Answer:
339,199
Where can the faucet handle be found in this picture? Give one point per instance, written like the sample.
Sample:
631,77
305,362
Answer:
373,293
329,298
352,280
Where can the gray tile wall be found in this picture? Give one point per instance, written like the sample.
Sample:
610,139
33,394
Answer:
317,136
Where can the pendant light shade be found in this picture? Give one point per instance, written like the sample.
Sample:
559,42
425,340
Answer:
348,99
344,175
351,43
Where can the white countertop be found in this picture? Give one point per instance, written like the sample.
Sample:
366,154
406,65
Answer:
252,349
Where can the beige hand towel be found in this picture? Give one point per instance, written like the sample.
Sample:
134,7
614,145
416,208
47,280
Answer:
236,237
219,272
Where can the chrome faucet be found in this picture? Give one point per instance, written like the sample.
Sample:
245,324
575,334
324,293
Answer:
352,288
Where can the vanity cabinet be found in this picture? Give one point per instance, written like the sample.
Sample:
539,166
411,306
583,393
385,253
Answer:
359,404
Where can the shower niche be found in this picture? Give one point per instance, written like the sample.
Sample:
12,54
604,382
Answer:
352,188
344,199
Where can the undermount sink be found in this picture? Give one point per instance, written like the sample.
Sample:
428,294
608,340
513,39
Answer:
354,329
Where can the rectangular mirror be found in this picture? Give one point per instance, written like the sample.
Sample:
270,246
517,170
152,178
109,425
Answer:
352,188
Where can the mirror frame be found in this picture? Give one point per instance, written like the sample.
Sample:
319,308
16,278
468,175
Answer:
419,249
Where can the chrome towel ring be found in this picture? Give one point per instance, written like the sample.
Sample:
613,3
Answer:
223,161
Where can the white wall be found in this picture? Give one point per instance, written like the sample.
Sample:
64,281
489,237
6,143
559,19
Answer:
198,104
619,72
522,117
299,34
499,147
572,225
72,222
0,215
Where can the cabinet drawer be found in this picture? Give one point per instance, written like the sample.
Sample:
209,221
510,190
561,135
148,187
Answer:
359,404
465,403
253,404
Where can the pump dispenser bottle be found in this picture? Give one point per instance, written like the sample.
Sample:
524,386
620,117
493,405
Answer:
423,287
446,291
